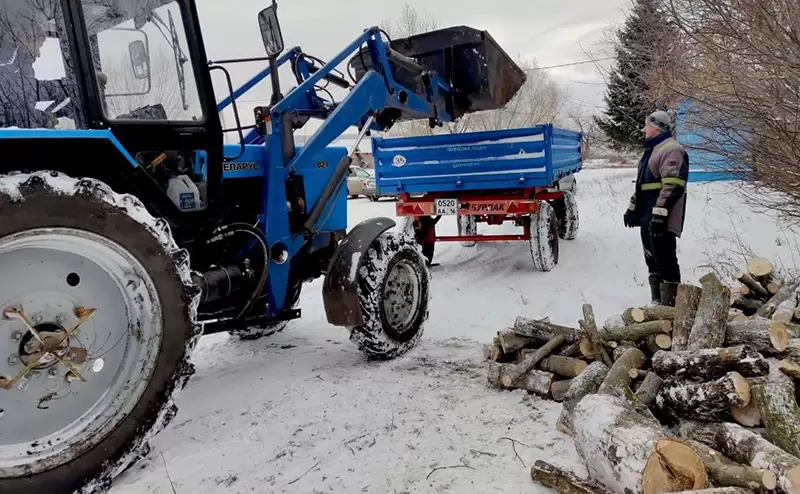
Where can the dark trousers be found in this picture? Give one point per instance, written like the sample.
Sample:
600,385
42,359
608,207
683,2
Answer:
660,255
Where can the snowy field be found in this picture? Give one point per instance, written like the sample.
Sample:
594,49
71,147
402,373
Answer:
303,412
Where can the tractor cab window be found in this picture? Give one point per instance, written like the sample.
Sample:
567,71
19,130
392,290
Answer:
141,59
37,85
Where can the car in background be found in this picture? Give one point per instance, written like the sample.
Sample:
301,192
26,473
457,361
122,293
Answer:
357,180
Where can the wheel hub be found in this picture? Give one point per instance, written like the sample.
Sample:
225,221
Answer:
401,296
69,374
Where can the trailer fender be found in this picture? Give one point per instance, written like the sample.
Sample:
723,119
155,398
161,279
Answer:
340,288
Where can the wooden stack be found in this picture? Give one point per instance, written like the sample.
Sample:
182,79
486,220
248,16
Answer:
701,397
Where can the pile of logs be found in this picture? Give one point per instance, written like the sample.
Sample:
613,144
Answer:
700,397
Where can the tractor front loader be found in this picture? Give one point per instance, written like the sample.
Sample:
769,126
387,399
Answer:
128,228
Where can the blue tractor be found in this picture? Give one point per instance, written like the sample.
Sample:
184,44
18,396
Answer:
129,227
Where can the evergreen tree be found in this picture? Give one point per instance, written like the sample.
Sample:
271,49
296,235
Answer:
628,97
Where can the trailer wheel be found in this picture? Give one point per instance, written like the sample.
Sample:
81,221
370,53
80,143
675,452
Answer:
393,292
566,208
96,331
544,237
467,226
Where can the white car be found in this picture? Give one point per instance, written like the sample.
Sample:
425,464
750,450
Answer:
359,179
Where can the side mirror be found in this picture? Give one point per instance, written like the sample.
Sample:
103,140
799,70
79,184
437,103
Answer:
140,59
271,30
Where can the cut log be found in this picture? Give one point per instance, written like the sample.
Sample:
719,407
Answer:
708,330
790,368
723,471
719,490
513,374
786,291
563,366
587,382
614,321
703,401
792,351
590,328
628,452
780,414
747,447
749,415
506,376
764,335
559,389
636,331
753,286
618,379
563,481
658,342
784,312
572,350
710,363
748,306
543,331
510,341
761,269
645,314
773,286
649,388
686,302
621,349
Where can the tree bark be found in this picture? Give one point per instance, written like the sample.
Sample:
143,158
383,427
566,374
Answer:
762,334
645,314
686,302
790,368
780,413
784,292
792,351
512,374
587,382
708,330
559,389
573,350
636,331
649,388
710,363
510,341
756,288
704,401
748,415
748,306
543,331
563,481
724,472
784,312
563,366
590,328
507,376
618,378
621,349
719,490
749,448
628,452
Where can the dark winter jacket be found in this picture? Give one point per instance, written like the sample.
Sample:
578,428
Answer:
661,183
20,90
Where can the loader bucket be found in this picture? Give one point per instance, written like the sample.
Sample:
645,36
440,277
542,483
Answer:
482,75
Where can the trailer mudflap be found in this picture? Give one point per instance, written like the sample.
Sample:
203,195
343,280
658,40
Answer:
340,288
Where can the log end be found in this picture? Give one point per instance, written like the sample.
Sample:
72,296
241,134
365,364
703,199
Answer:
741,386
740,318
759,267
663,341
562,428
791,480
769,480
748,416
637,315
779,336
673,467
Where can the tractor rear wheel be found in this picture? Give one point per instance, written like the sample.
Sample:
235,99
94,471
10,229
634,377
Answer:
393,293
97,325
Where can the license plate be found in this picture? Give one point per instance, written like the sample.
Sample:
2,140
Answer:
446,206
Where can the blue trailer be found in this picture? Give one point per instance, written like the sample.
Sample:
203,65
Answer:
485,177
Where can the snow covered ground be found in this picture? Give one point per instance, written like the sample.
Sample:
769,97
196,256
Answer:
304,412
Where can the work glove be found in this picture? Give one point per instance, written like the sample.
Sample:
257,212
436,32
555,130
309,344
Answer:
628,219
658,225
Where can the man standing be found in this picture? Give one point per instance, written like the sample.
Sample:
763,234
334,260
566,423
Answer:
659,204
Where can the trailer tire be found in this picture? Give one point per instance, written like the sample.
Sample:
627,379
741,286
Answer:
467,226
124,260
566,208
544,237
393,293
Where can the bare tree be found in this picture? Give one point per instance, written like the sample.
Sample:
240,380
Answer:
738,64
592,140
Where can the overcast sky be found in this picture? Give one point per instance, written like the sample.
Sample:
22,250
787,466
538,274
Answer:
551,31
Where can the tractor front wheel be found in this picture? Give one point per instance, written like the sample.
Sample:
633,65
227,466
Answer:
393,293
97,322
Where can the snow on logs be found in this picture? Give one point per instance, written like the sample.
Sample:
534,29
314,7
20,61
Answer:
702,397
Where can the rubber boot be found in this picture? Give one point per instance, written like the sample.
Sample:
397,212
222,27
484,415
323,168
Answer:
668,292
655,289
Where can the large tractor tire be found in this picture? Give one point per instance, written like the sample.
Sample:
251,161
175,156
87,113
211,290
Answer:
98,322
544,237
393,293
